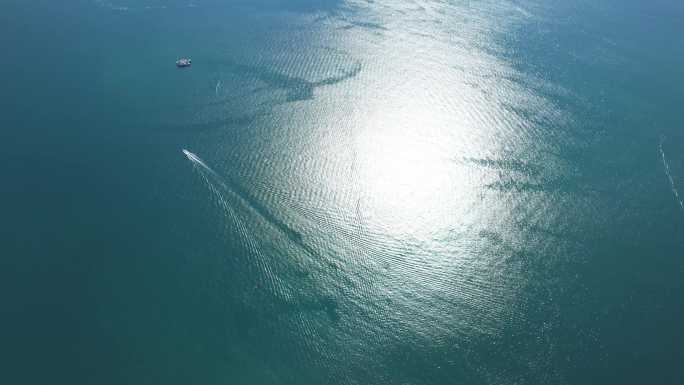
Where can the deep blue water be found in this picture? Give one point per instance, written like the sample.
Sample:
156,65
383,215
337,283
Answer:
374,192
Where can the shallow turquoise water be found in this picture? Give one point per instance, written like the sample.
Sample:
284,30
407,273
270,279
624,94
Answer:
387,192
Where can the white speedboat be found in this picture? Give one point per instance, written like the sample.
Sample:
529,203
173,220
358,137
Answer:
183,62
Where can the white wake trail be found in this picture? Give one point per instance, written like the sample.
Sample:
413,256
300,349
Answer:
669,175
197,160
212,179
205,172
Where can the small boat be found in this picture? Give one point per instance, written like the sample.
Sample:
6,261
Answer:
183,62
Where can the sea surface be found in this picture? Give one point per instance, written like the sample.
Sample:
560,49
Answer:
422,192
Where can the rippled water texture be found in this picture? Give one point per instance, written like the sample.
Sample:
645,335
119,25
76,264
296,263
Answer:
380,192
412,158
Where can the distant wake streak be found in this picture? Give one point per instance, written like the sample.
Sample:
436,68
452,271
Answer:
669,175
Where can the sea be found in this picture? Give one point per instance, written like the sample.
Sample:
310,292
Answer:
338,192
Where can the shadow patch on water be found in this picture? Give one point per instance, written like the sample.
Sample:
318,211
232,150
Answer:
509,165
292,234
363,24
550,185
296,88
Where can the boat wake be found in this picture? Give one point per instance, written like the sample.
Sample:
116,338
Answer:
213,179
666,165
287,279
198,161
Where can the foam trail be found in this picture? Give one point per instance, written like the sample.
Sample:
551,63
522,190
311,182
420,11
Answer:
208,174
242,230
218,85
669,175
255,205
197,161
202,167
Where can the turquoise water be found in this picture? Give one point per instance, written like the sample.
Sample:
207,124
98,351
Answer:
372,192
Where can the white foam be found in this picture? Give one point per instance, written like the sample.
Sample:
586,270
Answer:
208,174
669,175
197,160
